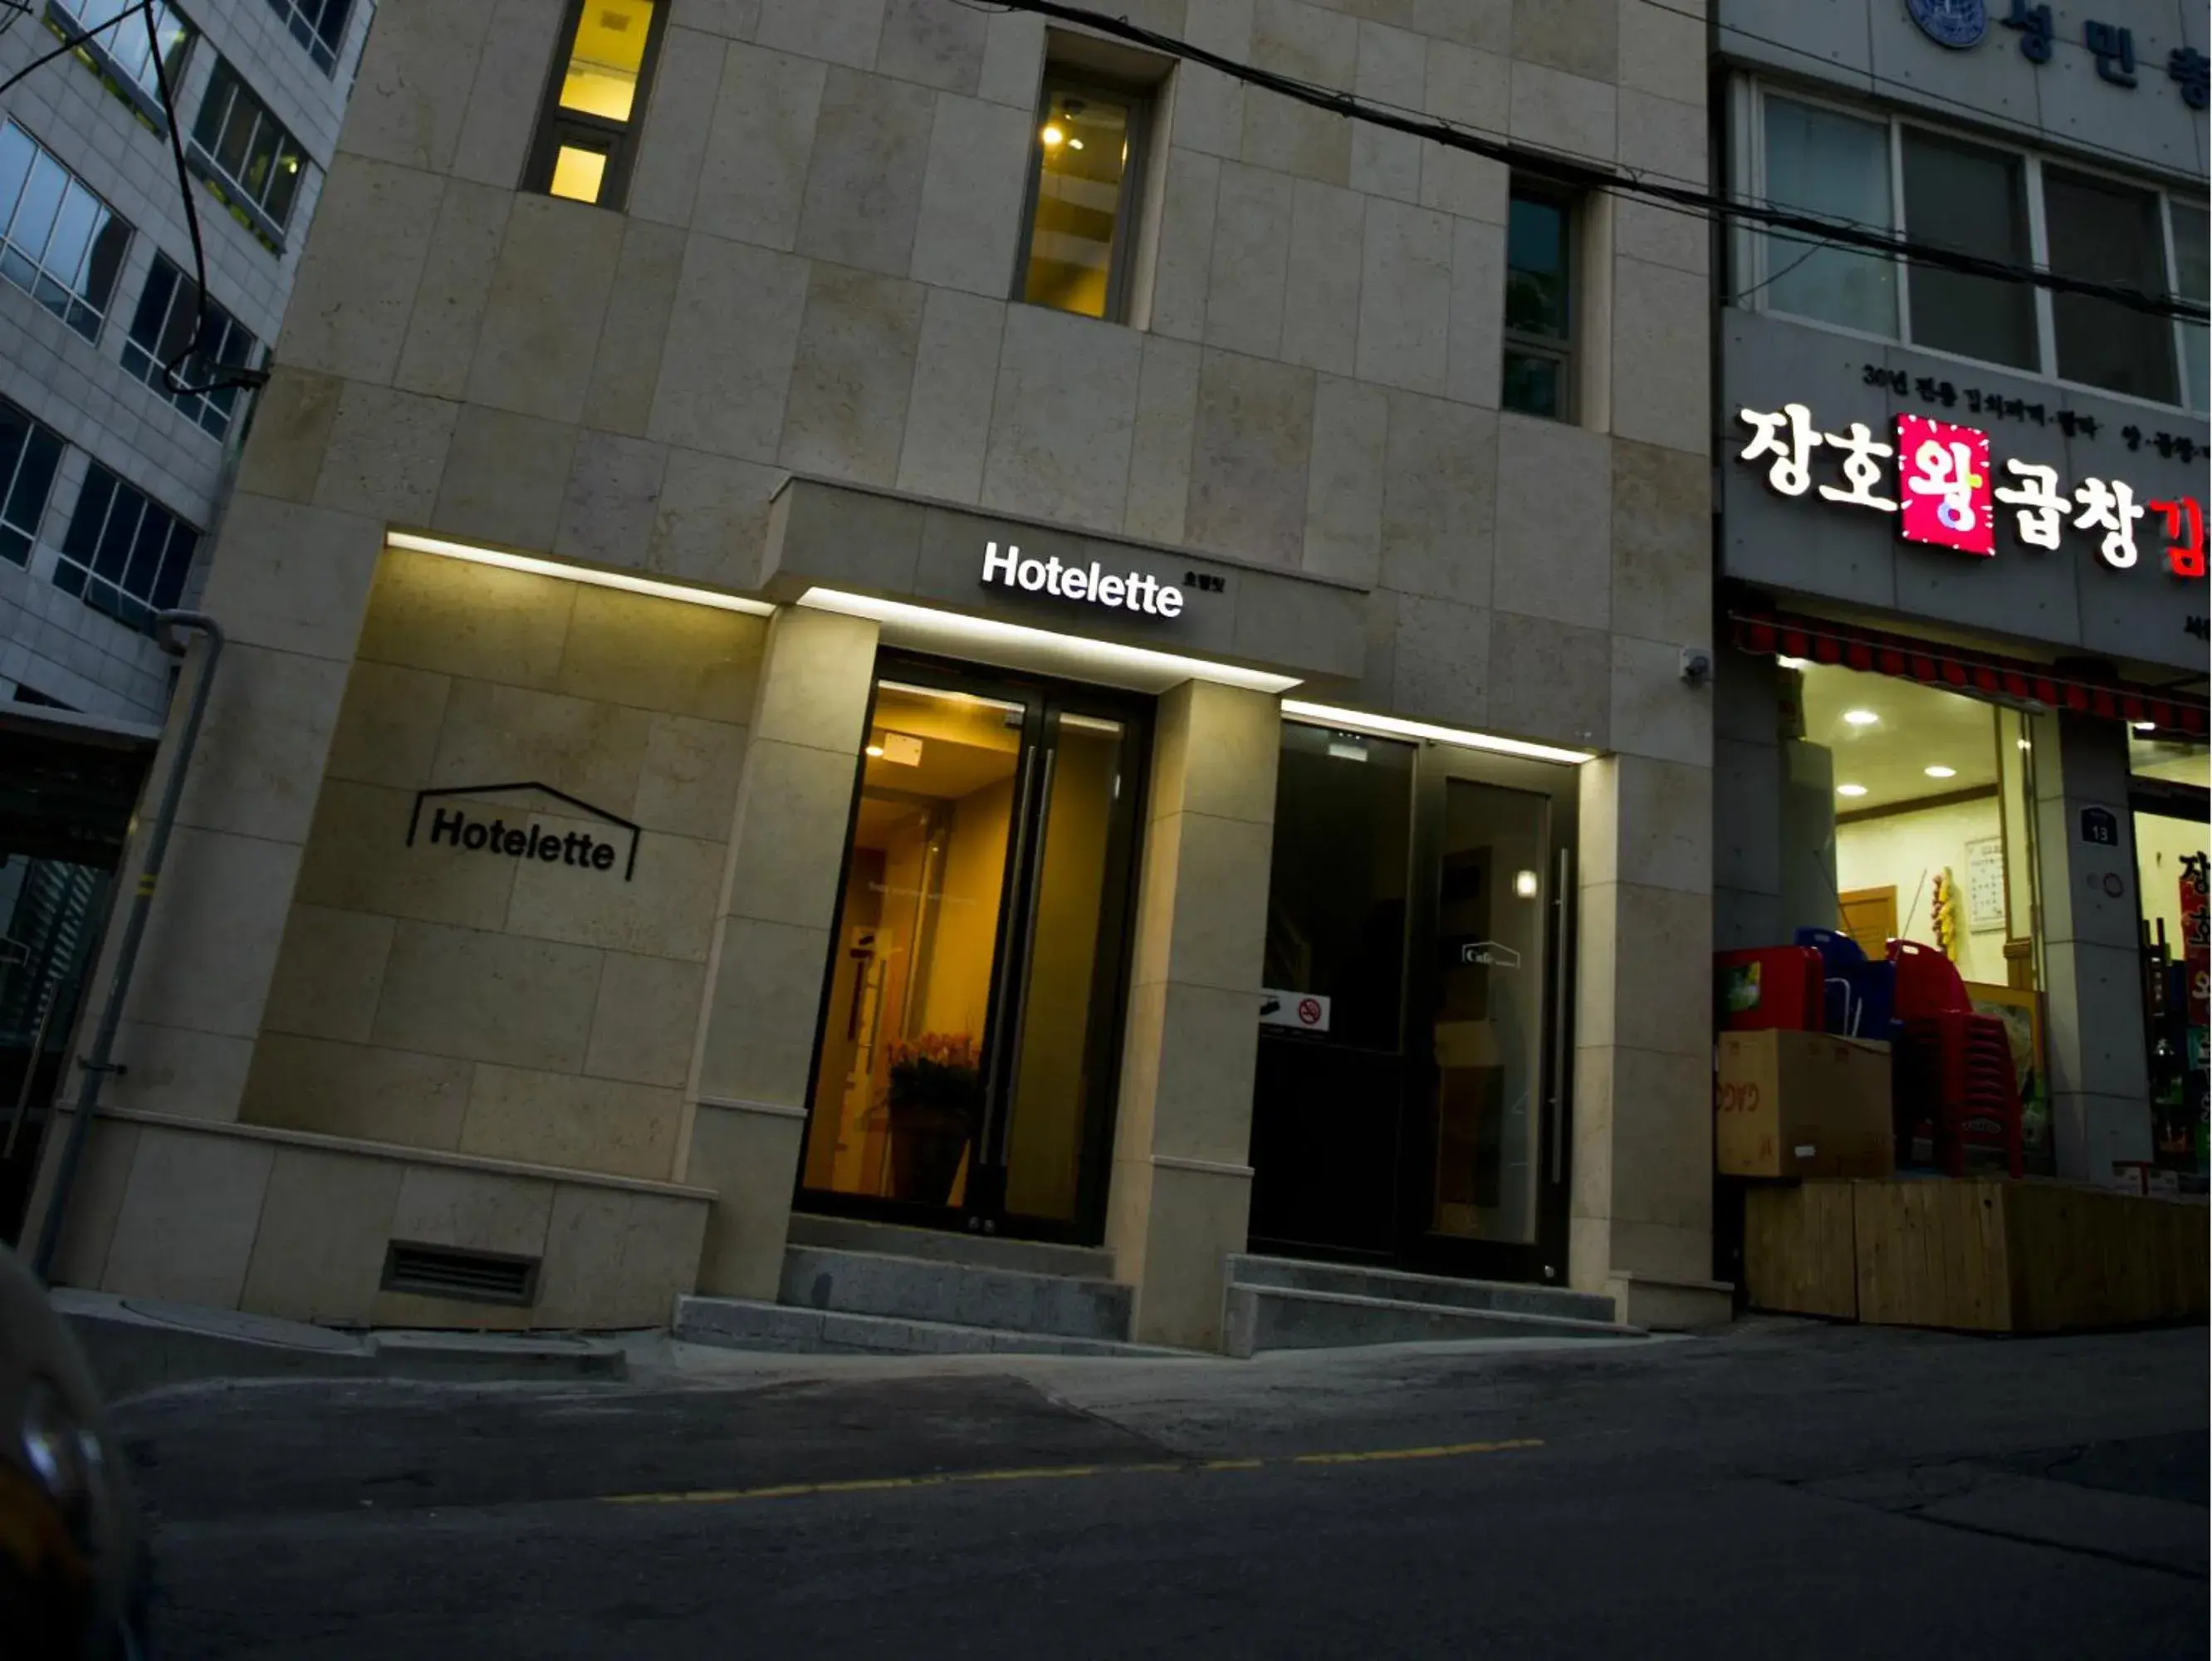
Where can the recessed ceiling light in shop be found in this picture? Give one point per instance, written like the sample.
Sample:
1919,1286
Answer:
1851,789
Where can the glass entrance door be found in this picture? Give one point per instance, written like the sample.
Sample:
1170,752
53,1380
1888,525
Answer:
1417,900
1484,1186
964,1072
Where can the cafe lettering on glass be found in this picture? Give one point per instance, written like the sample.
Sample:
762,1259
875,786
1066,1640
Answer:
1947,495
2112,45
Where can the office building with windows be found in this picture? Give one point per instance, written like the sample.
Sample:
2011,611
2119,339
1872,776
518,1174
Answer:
124,392
1962,696
871,629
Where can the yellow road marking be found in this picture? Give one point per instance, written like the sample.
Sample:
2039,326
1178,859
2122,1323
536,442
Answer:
1059,1473
1449,1450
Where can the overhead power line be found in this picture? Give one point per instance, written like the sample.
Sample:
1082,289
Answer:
1575,173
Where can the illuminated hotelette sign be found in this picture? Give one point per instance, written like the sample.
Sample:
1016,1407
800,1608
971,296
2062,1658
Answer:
1133,591
1939,481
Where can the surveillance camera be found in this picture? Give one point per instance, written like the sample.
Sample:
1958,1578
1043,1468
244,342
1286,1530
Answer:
1697,665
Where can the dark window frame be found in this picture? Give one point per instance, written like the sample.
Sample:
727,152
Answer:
1139,99
617,140
1565,350
322,40
111,566
78,307
99,52
226,89
227,345
38,448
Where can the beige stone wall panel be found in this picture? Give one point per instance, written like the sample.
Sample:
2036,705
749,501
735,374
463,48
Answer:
348,314
454,287
573,1121
852,376
369,1093
752,174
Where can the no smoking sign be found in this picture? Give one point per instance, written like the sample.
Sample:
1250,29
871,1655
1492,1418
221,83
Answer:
1302,1011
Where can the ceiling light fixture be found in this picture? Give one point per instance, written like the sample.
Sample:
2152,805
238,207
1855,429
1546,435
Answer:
1075,143
2146,727
1525,884
1053,136
1851,789
1795,663
924,628
584,573
1940,772
1860,717
875,749
1358,720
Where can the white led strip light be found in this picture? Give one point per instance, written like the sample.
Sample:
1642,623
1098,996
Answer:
1358,720
585,574
1074,652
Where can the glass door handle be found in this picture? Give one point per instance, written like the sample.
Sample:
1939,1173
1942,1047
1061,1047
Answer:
1003,993
1562,987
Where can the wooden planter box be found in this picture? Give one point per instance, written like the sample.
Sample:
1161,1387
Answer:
1978,1256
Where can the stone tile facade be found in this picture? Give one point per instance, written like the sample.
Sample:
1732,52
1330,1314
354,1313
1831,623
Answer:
51,642
811,276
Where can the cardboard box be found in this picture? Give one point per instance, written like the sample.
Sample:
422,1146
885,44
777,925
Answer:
1802,1105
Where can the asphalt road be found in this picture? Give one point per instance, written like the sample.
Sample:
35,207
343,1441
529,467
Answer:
1788,1490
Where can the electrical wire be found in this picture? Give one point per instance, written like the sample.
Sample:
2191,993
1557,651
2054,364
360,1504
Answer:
173,371
1578,174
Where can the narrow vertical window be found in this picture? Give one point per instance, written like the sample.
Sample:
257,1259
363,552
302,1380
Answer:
587,137
1539,306
1082,218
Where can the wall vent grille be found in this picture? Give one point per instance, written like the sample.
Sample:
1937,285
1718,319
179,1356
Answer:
481,1277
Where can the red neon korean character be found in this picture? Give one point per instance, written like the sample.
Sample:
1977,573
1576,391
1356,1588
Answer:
2185,554
1943,479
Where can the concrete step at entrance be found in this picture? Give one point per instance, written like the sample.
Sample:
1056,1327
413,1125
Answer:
741,1323
1264,1317
946,1246
1396,1286
960,1294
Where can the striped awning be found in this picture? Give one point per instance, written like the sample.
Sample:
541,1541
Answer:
1960,669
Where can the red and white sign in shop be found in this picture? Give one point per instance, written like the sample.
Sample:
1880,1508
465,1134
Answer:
1941,484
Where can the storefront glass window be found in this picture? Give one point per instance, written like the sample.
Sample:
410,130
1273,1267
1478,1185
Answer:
1906,817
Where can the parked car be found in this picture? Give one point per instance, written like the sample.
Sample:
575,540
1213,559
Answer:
74,1576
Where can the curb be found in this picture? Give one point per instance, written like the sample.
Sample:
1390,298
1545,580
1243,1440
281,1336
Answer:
135,1345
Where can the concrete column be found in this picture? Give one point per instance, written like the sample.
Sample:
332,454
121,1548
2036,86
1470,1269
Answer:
1182,1177
772,940
1747,774
2093,1018
1641,1213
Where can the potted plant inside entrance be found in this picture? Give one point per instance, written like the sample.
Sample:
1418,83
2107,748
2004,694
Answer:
936,1101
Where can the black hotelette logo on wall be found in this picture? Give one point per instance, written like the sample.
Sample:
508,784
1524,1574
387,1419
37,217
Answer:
470,830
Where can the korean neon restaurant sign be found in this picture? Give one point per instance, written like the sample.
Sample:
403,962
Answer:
1940,482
